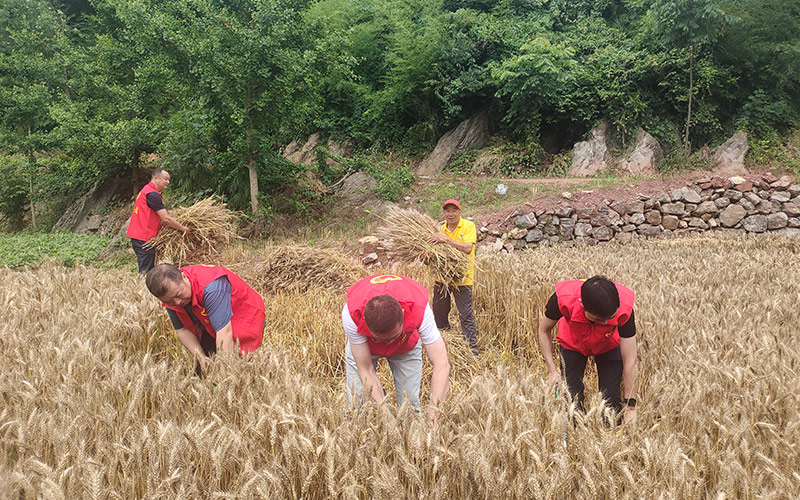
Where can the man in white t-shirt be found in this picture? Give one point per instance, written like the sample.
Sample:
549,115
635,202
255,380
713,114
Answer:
389,316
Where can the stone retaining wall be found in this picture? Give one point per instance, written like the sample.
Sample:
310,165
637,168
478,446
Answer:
765,204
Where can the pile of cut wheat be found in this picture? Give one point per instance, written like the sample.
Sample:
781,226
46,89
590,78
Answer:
211,228
407,232
299,268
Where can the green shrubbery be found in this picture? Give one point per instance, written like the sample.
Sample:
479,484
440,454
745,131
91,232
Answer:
30,249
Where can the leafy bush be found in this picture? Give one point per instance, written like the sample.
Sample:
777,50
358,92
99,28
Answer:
30,249
394,183
13,189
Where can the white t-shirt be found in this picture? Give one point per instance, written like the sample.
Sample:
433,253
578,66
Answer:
428,332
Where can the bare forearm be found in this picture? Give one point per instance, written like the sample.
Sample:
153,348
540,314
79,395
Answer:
225,339
376,391
191,343
440,385
546,345
174,224
630,377
462,247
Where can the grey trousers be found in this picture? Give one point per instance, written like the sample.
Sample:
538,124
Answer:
406,370
463,298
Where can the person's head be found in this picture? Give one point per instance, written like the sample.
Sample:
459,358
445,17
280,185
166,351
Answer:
170,285
160,179
452,211
600,299
383,315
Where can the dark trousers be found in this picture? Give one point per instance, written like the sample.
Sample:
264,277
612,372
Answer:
463,298
209,345
609,375
145,257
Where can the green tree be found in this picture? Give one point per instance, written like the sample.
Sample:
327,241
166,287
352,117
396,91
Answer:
32,76
533,80
252,66
689,24
125,87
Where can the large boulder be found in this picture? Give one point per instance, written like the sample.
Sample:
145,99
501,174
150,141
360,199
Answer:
728,159
357,185
472,133
591,155
304,155
647,154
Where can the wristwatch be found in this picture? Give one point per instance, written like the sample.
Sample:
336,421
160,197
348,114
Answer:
630,402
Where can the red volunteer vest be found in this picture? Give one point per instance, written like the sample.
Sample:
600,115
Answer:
577,333
413,298
145,222
247,306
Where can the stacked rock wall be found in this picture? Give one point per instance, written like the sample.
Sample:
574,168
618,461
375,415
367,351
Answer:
718,203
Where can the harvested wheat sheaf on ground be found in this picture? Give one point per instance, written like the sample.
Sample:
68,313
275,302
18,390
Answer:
211,228
98,399
282,268
408,231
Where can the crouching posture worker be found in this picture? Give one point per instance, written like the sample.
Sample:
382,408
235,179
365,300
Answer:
389,316
595,318
210,307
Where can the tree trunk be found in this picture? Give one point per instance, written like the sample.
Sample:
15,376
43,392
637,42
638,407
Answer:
135,173
253,183
691,91
251,155
31,167
33,201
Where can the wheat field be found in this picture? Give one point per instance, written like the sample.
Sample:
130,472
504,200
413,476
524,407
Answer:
98,400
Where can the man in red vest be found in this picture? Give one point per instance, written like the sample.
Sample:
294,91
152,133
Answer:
389,316
595,318
211,308
148,213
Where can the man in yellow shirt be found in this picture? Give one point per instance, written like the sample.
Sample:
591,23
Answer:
461,234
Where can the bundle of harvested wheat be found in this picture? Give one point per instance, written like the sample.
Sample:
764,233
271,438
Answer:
211,227
408,231
299,267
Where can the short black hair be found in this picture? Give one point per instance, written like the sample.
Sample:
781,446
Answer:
157,171
157,279
600,297
382,314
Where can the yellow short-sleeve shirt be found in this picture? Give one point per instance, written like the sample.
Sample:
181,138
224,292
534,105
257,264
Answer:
465,233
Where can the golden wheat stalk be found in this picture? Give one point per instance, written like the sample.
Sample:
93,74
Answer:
407,232
212,227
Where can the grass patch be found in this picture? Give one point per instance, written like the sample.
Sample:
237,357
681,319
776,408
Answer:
30,249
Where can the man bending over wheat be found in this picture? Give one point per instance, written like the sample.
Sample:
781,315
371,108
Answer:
389,316
595,318
211,308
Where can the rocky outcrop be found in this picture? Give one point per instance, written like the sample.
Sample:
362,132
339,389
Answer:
307,154
472,133
344,149
733,204
304,155
647,154
592,155
78,216
358,184
728,158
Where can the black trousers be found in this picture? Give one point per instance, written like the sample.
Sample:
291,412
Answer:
463,298
609,375
145,257
209,345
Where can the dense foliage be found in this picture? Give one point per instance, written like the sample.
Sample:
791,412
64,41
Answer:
87,88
